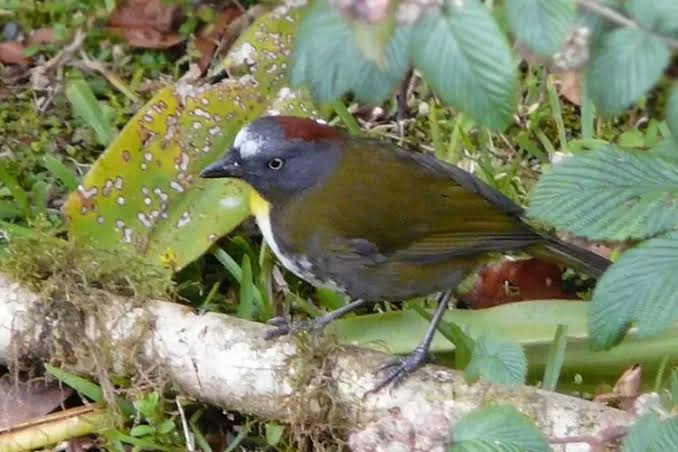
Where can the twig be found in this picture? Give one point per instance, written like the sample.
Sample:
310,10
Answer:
184,425
620,19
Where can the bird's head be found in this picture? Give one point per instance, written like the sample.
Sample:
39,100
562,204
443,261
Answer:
280,156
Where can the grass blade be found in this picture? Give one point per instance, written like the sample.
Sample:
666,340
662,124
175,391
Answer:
555,358
68,178
85,105
557,111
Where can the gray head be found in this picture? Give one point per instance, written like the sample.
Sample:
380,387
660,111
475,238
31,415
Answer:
280,156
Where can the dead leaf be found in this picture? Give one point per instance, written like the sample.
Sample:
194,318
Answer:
570,87
22,401
149,24
625,391
211,36
511,281
156,14
147,39
13,53
43,35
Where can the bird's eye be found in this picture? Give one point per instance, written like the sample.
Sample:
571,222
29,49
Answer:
276,163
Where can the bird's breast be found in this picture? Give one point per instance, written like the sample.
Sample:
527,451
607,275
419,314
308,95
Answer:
300,265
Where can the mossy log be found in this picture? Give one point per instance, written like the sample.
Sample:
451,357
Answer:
226,362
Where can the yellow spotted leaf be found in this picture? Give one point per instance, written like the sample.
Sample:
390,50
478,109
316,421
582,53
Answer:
144,191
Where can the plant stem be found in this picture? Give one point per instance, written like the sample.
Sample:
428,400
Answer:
557,112
347,118
586,112
435,131
619,19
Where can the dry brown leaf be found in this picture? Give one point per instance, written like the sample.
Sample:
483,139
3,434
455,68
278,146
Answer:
149,24
43,35
148,38
22,401
211,35
13,53
510,281
570,87
625,391
156,14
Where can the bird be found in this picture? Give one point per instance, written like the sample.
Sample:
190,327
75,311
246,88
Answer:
374,221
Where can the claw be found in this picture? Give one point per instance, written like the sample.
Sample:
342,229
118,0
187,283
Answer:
400,369
289,327
278,321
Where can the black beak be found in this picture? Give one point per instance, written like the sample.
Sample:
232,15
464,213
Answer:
227,166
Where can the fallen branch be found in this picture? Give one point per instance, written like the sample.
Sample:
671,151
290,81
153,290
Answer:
226,362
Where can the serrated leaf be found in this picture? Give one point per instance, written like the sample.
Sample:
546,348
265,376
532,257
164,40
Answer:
672,112
587,195
640,288
649,434
624,64
497,428
85,105
542,25
328,60
498,362
144,191
656,15
467,61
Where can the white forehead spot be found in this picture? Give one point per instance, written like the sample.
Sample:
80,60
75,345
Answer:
248,142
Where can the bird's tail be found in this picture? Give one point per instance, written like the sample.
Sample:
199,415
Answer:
573,256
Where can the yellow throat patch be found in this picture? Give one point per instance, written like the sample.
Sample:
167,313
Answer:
258,205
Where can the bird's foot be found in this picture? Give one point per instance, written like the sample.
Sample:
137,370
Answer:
397,370
285,326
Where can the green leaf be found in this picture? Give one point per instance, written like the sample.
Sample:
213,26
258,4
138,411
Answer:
82,385
329,61
542,25
624,64
585,194
274,432
144,192
68,178
497,429
467,61
672,112
142,430
8,179
596,24
656,15
85,105
498,362
649,434
641,287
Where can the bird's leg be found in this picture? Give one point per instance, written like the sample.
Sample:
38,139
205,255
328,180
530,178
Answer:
398,369
317,324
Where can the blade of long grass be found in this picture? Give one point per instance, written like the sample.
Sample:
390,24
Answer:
85,105
555,358
66,176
